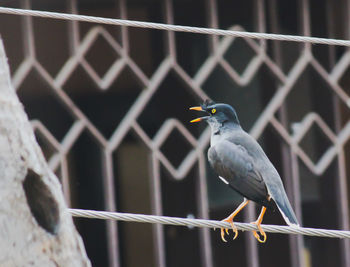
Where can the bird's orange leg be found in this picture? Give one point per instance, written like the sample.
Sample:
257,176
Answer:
258,224
230,218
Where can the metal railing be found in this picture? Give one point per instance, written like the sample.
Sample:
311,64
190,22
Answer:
274,114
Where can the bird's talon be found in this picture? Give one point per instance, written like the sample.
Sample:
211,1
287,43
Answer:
236,234
234,229
264,240
262,233
257,236
223,234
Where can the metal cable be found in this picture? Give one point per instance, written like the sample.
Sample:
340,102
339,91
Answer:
178,28
129,217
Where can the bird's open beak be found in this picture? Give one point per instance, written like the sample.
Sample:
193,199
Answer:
196,108
201,118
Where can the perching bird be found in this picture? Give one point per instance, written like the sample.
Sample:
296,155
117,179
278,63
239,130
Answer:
242,164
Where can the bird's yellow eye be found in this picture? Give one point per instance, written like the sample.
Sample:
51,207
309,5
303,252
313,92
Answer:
213,111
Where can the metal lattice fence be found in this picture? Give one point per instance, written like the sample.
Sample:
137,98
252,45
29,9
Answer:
302,117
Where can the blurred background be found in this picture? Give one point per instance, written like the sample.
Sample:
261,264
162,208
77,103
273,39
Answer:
109,106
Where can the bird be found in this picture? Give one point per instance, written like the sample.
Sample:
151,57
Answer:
242,164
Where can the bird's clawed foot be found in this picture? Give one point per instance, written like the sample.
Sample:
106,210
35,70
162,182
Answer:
233,227
261,231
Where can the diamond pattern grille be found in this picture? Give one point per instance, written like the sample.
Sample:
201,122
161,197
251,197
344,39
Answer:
273,113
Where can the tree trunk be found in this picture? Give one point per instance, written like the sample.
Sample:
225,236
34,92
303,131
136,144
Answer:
36,228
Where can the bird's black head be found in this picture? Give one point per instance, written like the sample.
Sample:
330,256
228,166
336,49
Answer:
219,114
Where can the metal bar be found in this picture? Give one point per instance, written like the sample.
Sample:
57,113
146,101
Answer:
341,182
342,202
110,197
158,230
203,211
65,181
290,174
252,253
170,40
73,27
124,30
211,10
28,33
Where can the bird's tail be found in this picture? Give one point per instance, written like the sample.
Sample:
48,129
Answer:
286,210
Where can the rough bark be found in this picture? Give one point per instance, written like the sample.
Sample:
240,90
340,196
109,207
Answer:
35,227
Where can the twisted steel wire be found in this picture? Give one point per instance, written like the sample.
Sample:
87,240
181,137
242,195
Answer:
130,217
177,28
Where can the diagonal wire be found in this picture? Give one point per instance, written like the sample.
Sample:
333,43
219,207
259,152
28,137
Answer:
178,28
130,217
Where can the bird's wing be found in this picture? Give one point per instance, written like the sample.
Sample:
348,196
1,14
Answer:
270,176
278,194
233,164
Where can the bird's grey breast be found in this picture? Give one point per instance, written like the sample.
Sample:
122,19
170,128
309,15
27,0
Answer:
224,133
